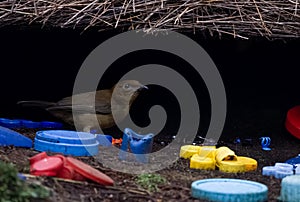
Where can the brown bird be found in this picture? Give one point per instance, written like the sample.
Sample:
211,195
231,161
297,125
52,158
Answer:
111,106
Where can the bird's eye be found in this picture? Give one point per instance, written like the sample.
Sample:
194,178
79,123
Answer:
126,86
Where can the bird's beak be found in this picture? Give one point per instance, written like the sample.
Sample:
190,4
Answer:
143,88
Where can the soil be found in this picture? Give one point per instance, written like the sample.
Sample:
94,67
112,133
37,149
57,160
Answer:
179,175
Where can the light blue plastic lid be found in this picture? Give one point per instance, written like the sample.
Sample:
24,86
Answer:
66,142
233,190
10,137
290,189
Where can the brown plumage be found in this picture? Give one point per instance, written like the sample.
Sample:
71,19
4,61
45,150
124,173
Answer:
117,99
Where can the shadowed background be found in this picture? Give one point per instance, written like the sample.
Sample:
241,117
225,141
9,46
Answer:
260,77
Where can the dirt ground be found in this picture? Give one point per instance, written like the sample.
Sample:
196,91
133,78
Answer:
179,175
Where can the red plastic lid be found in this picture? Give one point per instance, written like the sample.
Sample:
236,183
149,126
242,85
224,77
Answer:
89,172
47,166
292,122
38,157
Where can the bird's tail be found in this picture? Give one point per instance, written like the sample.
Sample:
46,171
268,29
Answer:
36,103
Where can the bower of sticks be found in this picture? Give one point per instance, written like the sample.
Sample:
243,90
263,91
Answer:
238,18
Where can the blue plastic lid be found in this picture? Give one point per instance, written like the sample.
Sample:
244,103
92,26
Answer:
294,161
66,142
10,137
29,124
225,190
10,123
50,124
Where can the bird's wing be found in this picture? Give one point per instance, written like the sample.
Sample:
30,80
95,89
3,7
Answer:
86,103
82,109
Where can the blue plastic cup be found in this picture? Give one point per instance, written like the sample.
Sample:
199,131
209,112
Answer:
136,143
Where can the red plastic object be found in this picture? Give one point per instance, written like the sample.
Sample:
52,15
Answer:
89,172
67,172
48,166
37,157
67,168
292,122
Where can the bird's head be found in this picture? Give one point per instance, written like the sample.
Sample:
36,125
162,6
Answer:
126,91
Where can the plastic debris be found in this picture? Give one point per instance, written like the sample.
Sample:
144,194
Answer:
66,167
290,187
279,171
66,142
117,141
294,161
228,190
137,144
265,143
22,123
9,137
210,157
292,122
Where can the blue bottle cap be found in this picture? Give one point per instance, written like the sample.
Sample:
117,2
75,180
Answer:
66,142
10,137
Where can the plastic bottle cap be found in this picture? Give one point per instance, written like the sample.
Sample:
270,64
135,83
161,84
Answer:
279,174
269,170
89,172
225,190
284,166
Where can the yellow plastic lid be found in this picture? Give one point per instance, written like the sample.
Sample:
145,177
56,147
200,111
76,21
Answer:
187,151
241,164
224,153
250,163
231,166
199,162
208,151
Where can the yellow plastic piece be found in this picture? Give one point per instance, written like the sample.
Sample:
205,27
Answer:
241,164
249,163
187,151
231,166
199,162
208,151
224,154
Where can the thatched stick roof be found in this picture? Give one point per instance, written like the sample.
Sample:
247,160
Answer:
239,18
